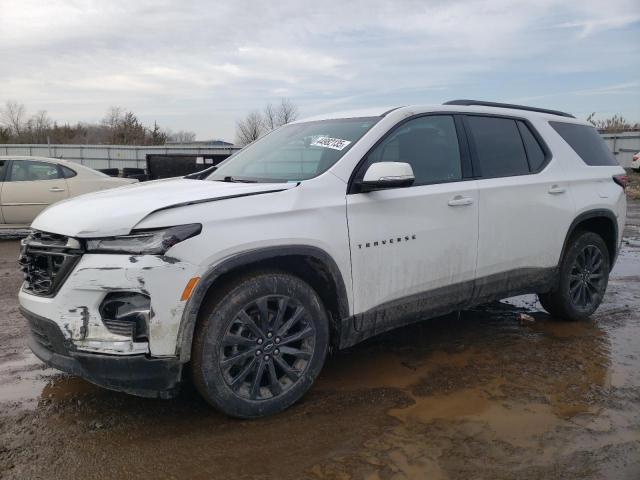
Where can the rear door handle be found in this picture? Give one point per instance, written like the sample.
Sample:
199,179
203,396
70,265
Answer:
556,189
56,189
460,201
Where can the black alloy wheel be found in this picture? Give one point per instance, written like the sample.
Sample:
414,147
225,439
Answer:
259,344
582,279
586,280
267,347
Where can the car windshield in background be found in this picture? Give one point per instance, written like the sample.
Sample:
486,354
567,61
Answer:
294,152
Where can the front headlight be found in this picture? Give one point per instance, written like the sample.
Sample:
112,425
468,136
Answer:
144,242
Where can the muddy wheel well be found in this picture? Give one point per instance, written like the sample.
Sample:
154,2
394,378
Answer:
311,265
308,269
604,226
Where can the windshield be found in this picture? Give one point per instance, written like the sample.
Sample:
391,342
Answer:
294,152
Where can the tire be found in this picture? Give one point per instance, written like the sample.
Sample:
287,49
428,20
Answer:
259,344
583,278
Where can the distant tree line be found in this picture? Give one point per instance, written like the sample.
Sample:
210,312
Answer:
258,123
118,127
615,124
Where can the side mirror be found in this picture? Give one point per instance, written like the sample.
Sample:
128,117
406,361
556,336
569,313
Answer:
383,175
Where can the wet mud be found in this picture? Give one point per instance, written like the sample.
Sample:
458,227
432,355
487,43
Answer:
487,393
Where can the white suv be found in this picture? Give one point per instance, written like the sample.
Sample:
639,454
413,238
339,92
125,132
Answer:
321,234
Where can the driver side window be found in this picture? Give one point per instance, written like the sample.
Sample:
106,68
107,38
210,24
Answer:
429,144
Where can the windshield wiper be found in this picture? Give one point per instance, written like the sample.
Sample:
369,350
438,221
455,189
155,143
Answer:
237,180
202,174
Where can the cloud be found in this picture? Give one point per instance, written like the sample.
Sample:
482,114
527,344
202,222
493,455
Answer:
200,65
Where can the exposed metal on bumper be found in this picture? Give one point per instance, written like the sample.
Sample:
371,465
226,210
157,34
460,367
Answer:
134,374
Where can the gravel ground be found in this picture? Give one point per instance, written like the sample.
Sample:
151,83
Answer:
483,394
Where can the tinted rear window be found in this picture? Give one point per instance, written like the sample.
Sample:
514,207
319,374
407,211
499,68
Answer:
498,146
586,142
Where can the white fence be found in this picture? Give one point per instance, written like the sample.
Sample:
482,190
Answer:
110,156
623,145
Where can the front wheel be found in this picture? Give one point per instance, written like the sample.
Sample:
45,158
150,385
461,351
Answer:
583,278
260,344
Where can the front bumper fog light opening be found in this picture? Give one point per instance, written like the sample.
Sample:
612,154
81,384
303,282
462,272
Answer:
127,314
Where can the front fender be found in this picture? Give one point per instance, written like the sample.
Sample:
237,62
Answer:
244,259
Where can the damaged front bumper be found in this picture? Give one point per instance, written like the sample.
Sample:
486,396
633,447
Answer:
134,374
76,306
71,330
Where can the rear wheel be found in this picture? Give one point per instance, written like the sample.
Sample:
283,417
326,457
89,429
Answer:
260,345
583,278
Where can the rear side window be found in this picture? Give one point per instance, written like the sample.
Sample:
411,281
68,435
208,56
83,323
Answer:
67,172
498,146
2,168
586,142
535,154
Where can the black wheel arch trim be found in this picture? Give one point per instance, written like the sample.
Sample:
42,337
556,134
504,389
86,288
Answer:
246,259
589,214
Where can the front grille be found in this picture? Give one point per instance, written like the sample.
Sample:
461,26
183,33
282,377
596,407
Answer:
46,260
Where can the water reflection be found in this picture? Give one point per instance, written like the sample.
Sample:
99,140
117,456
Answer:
426,399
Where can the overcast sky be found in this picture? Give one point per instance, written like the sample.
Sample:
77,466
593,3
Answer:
201,65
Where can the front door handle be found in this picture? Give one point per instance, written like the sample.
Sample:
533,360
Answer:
459,201
556,189
56,189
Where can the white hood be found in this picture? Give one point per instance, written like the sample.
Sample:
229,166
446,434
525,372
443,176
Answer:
116,211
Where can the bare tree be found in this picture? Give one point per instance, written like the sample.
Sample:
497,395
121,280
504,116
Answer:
38,126
111,120
249,129
615,124
123,127
5,134
278,115
41,120
112,117
13,116
181,136
270,117
118,126
287,112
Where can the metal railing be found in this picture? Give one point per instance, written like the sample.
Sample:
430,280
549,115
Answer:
110,156
624,145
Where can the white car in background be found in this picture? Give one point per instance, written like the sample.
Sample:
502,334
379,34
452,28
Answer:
28,185
635,162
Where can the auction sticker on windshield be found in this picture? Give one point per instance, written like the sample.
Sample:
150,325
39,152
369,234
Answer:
328,142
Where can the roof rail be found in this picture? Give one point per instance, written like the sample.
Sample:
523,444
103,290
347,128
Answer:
508,105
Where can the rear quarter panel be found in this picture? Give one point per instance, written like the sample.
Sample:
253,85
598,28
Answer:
591,187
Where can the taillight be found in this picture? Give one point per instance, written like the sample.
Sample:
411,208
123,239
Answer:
621,180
